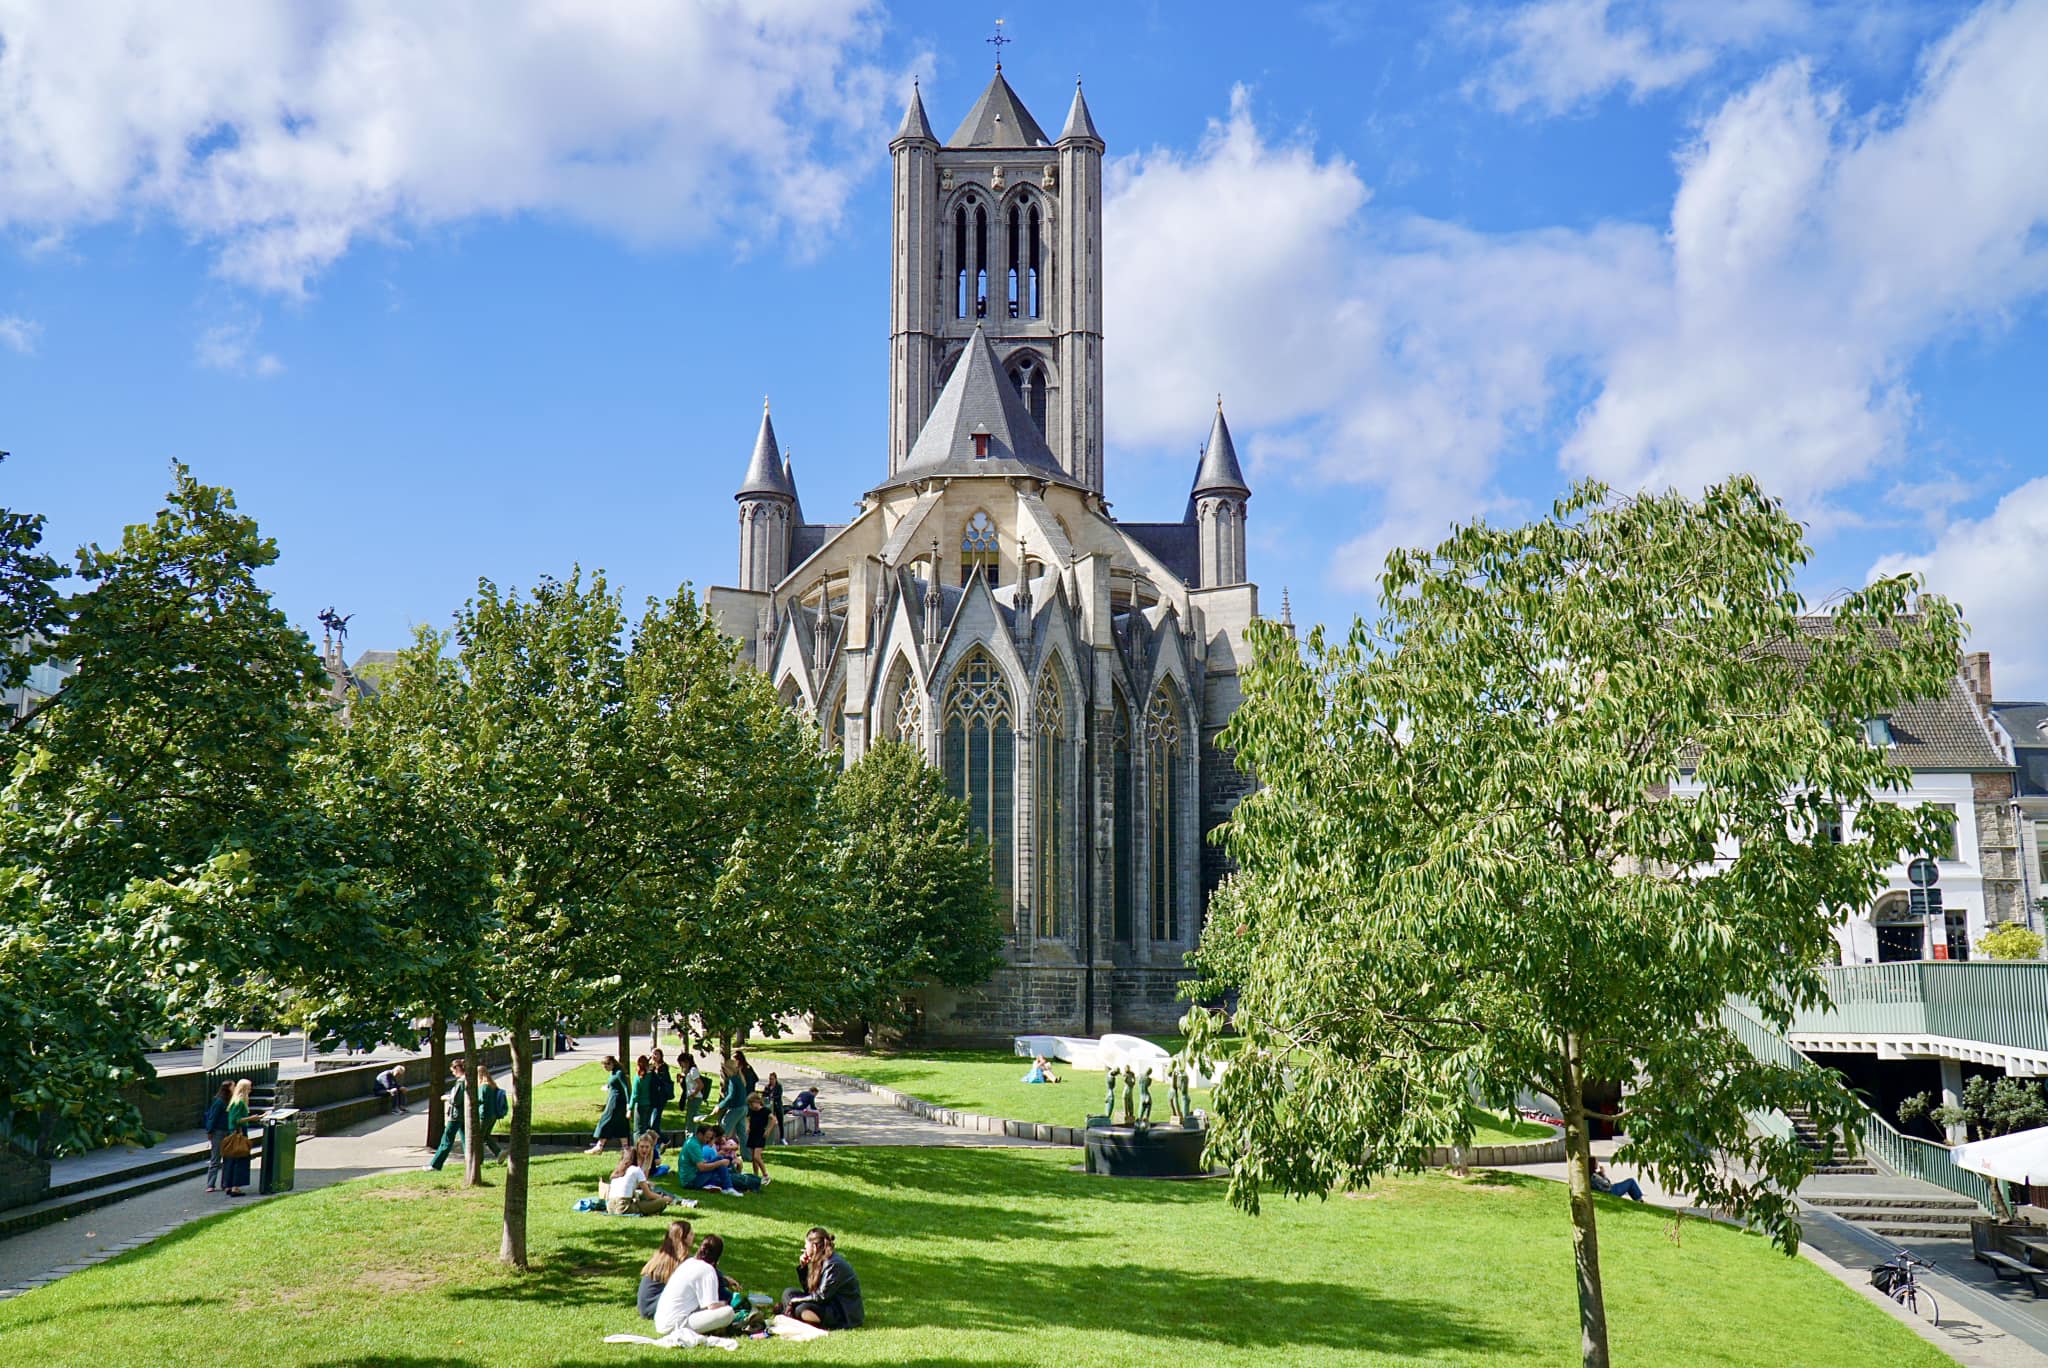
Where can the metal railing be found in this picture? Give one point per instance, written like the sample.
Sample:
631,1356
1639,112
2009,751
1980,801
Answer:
1876,1138
1996,1004
254,1055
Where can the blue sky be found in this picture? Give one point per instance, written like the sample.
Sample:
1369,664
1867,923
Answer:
491,290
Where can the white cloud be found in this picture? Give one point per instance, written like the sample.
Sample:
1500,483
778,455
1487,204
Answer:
231,349
1991,567
282,135
20,335
1811,255
1561,53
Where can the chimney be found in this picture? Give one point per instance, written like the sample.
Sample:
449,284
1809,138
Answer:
1977,674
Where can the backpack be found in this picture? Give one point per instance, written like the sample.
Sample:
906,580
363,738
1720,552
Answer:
1884,1277
494,1105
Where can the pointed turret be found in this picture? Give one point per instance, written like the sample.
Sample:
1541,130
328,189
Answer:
789,478
915,127
979,425
1219,471
765,473
768,512
1079,124
998,119
1216,505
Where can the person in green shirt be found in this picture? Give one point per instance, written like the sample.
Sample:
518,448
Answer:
235,1169
455,1115
643,1095
491,1107
615,1123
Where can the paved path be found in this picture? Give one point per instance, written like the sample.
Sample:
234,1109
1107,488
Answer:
854,1116
389,1144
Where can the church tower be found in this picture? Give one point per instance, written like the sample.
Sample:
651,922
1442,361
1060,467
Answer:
768,512
999,228
1216,505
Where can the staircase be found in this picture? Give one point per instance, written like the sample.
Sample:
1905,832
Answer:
1932,1215
1826,1161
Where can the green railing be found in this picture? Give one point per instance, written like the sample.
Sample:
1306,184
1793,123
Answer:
1995,1004
1876,1138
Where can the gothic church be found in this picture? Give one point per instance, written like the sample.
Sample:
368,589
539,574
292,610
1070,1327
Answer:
1068,671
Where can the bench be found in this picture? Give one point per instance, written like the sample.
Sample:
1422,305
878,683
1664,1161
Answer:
2005,1266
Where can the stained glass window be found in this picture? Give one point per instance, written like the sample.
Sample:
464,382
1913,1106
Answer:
978,547
1162,755
906,709
980,762
1123,878
1050,817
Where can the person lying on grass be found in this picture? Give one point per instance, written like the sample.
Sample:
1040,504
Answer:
830,1295
630,1194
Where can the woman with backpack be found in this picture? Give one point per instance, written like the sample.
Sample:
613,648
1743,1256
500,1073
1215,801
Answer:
492,1106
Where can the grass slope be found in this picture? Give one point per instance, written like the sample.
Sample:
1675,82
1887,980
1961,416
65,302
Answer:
966,1257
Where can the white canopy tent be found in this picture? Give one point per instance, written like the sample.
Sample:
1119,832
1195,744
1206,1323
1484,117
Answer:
2021,1157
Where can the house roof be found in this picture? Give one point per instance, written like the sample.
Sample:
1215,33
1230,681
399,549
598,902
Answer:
1941,733
998,119
979,399
2027,724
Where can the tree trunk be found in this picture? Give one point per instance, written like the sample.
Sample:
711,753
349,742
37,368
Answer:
472,1108
1578,1163
512,1246
626,1045
437,1074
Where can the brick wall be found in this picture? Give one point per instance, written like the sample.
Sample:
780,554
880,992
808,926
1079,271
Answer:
177,1101
23,1180
1998,848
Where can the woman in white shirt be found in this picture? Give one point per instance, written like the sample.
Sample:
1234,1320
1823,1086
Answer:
630,1194
691,1300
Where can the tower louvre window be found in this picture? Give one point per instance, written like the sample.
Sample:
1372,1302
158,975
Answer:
1034,249
979,760
1012,259
980,263
960,262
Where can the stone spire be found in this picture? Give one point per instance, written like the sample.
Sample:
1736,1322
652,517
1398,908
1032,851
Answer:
766,474
1079,123
998,119
1216,505
767,500
1219,472
915,127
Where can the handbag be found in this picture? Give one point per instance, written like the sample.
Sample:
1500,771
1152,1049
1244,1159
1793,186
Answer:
236,1146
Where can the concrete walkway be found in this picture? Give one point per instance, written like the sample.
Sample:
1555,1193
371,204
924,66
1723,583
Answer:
389,1144
854,1116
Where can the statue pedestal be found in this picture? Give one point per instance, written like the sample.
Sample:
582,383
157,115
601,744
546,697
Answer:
1146,1151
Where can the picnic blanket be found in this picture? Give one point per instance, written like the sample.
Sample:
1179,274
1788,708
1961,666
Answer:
685,1338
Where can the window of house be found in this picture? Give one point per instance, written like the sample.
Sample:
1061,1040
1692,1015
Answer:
1946,850
980,760
1833,830
1877,731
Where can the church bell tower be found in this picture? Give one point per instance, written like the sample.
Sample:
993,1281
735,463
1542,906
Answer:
1000,228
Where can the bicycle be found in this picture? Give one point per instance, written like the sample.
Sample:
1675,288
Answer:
1896,1279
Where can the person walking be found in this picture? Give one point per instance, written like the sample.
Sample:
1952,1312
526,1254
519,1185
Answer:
772,1095
455,1115
491,1108
235,1148
758,1119
616,1123
732,1103
693,1090
643,1094
216,1131
664,1087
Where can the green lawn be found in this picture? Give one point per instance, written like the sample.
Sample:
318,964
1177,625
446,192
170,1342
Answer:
966,1257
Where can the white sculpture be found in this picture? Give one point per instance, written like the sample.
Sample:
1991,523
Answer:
1108,1053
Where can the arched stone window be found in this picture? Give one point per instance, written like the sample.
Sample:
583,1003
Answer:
1051,822
979,547
1162,756
1123,847
980,761
903,709
1028,375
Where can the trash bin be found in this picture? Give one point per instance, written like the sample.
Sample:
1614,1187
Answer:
280,1151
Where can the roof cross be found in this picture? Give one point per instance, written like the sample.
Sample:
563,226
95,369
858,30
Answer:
997,43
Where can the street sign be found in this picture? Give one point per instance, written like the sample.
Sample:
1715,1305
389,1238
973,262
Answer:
1922,873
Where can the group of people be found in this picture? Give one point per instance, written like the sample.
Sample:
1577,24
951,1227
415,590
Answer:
227,1139
492,1106
682,1287
724,1148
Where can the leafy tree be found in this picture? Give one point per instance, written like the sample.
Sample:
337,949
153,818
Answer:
1990,1107
918,908
154,829
2011,941
31,608
1467,870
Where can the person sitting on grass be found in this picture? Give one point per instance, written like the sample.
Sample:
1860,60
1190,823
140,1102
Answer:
758,1117
655,1273
630,1194
1627,1187
830,1293
1039,1072
390,1085
691,1299
702,1166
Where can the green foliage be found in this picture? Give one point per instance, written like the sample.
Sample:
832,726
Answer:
2010,941
1466,867
918,907
1990,1107
31,609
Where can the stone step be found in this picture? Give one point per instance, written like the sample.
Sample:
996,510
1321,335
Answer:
1896,1231
1894,1216
1892,1201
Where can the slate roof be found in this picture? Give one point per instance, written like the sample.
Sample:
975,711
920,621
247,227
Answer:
978,396
915,124
1177,545
1941,733
2028,725
806,538
1219,472
1079,124
765,474
998,119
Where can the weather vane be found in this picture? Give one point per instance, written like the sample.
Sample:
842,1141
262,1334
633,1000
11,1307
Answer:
997,43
